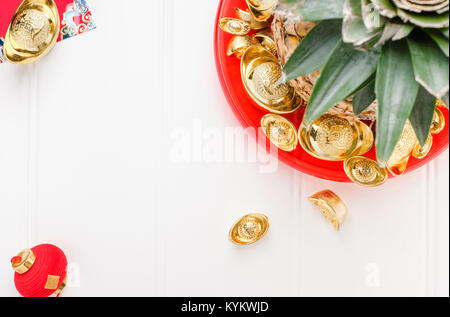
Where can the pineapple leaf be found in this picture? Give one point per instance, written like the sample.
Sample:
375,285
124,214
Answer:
445,32
314,50
396,92
386,8
337,79
440,40
354,31
422,114
445,100
431,66
313,10
364,98
424,20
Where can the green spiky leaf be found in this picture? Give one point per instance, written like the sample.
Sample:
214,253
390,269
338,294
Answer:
431,66
386,8
434,21
396,92
445,100
422,114
440,40
313,10
337,79
314,50
364,98
445,32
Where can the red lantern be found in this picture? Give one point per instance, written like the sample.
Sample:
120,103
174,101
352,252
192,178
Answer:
40,271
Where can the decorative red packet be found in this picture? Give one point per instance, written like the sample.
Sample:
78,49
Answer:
75,18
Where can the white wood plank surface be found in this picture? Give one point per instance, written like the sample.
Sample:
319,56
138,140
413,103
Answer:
88,161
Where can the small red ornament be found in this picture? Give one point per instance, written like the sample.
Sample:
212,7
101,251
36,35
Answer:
40,271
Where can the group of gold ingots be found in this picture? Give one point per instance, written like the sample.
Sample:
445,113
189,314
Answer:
331,137
32,32
251,228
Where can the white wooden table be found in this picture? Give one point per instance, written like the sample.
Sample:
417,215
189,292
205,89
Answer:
87,139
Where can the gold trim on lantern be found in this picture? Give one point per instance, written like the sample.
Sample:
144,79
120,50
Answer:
420,152
239,44
234,26
261,10
333,138
400,157
32,31
260,71
438,123
27,259
365,171
247,17
331,207
265,38
280,131
249,229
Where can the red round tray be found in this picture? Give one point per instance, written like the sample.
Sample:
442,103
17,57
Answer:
250,114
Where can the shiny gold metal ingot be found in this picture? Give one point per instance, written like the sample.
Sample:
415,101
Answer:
234,26
262,10
364,171
260,71
247,17
266,40
331,207
280,131
438,123
32,32
23,261
239,44
249,229
333,138
420,152
400,157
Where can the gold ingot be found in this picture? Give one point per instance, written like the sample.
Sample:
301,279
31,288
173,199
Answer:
239,44
420,152
32,32
438,123
333,138
23,261
234,26
400,157
262,10
267,41
331,207
364,171
280,131
260,71
247,17
249,229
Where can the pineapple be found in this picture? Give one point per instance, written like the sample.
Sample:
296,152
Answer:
287,34
355,56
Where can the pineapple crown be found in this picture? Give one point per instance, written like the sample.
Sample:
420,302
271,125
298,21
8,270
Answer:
393,51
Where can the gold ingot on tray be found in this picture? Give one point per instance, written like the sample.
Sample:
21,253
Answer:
234,26
438,123
334,138
400,157
247,17
260,71
365,171
249,229
420,152
262,10
239,44
331,207
280,131
265,38
32,32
